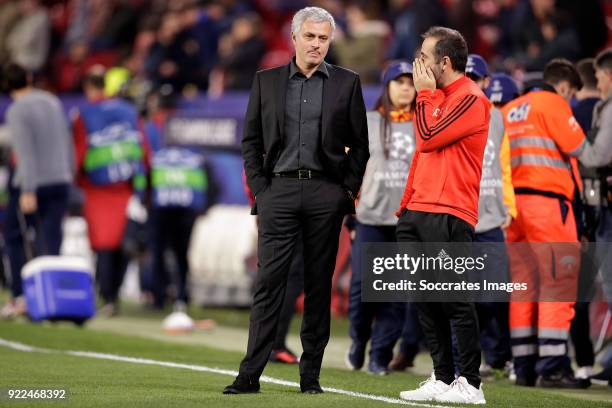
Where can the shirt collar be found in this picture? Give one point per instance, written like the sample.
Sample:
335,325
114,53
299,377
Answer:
456,84
293,69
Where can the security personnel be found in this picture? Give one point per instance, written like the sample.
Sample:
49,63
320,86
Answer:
599,155
496,209
545,138
110,159
179,186
392,145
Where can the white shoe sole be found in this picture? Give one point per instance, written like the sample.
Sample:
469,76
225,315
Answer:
480,402
416,399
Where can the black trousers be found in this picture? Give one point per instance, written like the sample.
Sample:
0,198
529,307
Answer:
295,286
436,318
111,265
580,333
46,222
287,207
170,229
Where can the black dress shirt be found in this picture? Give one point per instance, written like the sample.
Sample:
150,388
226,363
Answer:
302,134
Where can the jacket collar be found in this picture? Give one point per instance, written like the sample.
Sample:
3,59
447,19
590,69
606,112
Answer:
456,84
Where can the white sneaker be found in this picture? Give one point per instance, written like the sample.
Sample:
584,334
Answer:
462,392
485,370
509,369
13,308
427,390
582,373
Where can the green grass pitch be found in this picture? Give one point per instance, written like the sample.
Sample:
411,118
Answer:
99,383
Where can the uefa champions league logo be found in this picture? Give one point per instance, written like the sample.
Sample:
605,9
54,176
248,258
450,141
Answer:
402,146
489,154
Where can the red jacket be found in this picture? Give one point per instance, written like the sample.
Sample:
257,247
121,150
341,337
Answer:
452,126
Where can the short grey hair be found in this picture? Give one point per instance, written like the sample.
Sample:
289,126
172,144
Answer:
314,14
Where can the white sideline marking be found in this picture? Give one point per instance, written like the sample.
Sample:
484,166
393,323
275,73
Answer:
145,361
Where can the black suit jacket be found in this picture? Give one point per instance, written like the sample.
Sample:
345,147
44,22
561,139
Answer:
343,125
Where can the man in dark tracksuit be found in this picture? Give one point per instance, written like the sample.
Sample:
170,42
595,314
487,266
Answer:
305,149
440,203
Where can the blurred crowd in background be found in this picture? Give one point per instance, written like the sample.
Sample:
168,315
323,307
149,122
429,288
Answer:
214,46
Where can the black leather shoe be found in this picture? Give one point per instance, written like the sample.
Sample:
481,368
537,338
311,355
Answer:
310,385
562,380
242,385
526,381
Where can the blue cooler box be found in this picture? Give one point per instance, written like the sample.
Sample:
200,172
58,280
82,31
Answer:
59,288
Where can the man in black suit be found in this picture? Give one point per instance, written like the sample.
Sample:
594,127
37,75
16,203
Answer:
305,149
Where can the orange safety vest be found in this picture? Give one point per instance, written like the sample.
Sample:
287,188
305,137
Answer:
545,140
